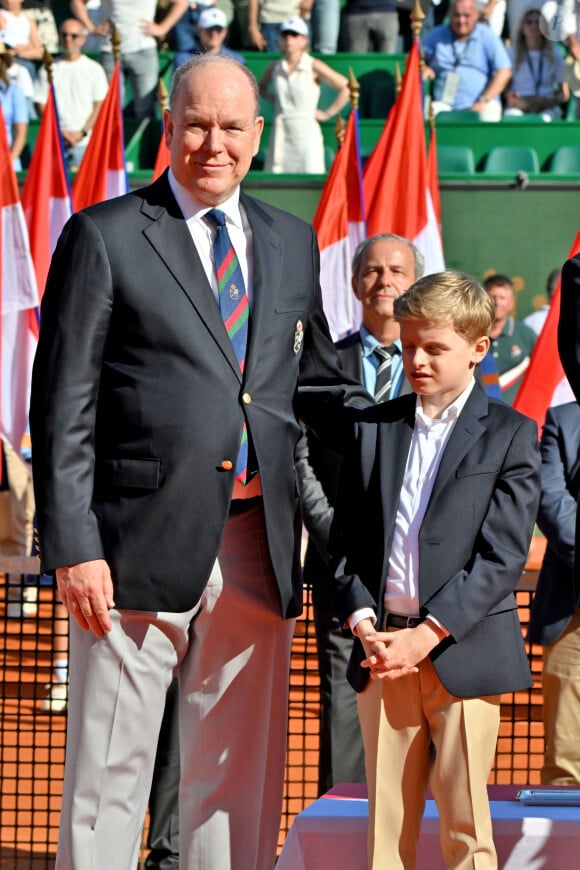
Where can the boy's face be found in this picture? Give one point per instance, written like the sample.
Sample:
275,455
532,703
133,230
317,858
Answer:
438,361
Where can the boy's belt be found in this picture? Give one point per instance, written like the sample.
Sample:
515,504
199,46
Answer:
397,620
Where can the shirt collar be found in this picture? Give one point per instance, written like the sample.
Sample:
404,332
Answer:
449,415
193,210
369,342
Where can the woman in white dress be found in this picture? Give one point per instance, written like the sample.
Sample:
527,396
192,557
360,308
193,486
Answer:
293,85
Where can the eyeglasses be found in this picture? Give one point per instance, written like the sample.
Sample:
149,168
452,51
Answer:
65,33
531,20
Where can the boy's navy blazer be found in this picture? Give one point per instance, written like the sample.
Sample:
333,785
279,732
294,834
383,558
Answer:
473,541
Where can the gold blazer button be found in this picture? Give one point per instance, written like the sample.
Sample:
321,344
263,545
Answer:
246,398
227,465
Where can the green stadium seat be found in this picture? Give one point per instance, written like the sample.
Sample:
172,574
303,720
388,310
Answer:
455,115
565,159
455,158
511,159
526,118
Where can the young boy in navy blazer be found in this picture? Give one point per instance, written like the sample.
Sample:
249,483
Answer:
431,534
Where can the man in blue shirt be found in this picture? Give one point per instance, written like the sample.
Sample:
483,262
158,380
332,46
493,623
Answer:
468,62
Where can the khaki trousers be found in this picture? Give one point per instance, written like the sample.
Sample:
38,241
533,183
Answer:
561,710
231,653
417,735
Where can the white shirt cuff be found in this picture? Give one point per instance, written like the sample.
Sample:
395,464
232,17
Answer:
358,615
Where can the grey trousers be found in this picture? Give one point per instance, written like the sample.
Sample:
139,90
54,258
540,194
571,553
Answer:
231,653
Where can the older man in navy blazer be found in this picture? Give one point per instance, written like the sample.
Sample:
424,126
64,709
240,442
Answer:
555,613
164,558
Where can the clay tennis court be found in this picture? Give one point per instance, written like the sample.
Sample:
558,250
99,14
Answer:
32,741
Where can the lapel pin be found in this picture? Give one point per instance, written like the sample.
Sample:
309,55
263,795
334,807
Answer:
298,336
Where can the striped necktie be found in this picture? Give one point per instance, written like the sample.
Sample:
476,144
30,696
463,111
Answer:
234,309
384,381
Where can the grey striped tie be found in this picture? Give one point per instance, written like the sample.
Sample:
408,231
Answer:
383,383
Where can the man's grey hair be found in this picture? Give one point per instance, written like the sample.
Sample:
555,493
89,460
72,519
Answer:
198,61
361,248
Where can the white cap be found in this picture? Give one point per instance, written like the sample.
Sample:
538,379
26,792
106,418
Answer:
7,41
212,18
295,25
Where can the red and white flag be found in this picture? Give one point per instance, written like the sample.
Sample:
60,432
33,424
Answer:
162,158
102,173
46,197
433,177
397,187
544,383
340,224
19,295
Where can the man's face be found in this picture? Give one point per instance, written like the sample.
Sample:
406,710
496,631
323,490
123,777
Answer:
212,38
503,301
212,132
438,361
386,270
71,37
463,18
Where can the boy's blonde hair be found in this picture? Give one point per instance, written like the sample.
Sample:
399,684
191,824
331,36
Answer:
448,297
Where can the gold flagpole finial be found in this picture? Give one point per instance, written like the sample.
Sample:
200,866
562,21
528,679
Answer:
48,64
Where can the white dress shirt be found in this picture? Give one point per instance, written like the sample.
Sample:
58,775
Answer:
201,231
428,442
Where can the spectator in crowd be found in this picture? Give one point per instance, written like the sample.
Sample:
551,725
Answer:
383,267
468,63
164,473
265,19
19,75
94,9
555,613
537,318
371,25
40,11
325,23
20,32
212,31
16,527
14,107
514,11
183,35
436,508
293,85
80,85
512,341
538,82
492,12
564,24
138,31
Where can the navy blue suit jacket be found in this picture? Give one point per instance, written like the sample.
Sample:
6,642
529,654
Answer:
558,591
473,542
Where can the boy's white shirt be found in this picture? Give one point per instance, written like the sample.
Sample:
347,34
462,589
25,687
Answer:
428,442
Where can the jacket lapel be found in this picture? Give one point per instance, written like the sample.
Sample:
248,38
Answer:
267,247
170,238
351,359
466,432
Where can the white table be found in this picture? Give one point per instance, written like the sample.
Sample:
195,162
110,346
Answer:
330,834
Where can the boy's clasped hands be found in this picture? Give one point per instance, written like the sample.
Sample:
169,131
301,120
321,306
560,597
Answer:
394,654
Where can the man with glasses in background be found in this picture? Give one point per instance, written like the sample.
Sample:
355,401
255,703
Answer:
80,86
